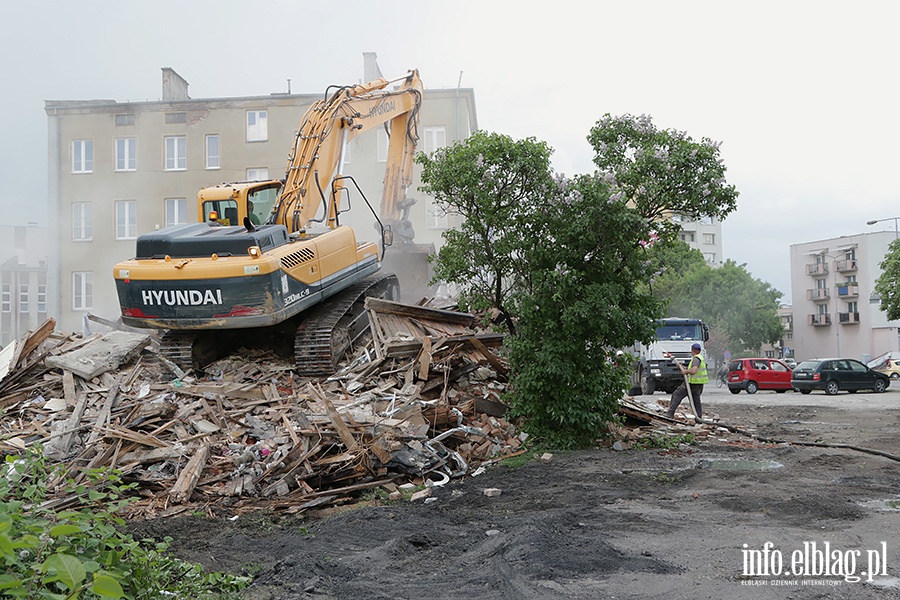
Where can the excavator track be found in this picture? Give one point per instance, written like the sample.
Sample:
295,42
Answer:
328,330
194,350
178,347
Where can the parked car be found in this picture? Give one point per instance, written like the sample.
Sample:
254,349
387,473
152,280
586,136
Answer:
891,369
836,374
752,374
790,362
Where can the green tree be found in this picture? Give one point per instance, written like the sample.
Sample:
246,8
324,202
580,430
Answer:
888,283
579,305
670,260
496,183
742,311
662,171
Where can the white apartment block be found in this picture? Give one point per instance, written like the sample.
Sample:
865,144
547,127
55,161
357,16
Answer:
836,311
704,234
121,169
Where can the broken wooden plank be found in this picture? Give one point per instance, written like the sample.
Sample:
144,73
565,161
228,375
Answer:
490,356
103,416
189,476
420,312
340,426
36,339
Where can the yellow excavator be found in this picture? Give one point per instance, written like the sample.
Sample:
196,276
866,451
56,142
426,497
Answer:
269,261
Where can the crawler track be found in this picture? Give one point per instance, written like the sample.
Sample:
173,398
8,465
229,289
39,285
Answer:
328,329
321,335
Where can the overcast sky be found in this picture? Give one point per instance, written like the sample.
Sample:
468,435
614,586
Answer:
802,95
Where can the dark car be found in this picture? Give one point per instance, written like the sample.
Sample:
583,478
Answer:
836,374
752,374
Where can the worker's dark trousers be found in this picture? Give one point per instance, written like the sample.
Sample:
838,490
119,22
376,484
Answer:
681,393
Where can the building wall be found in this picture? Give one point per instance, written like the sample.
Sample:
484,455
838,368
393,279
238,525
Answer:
24,290
149,185
704,235
867,338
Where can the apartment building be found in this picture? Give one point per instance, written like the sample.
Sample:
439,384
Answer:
703,234
24,291
120,169
836,311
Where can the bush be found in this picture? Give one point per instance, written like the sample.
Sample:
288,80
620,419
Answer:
81,552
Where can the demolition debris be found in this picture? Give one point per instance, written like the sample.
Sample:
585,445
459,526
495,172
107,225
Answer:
419,404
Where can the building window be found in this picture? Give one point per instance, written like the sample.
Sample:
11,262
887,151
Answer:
126,219
705,220
852,307
176,211
82,222
83,156
709,238
710,257
23,298
6,298
212,152
687,237
126,154
435,138
176,118
176,153
437,218
122,120
382,140
257,126
258,174
42,298
82,290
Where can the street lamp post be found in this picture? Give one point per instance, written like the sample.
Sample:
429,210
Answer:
894,219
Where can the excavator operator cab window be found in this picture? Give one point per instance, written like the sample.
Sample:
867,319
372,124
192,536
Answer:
260,203
226,209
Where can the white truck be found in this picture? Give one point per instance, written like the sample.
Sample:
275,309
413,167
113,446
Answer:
654,366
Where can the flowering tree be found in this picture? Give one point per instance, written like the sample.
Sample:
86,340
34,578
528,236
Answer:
661,172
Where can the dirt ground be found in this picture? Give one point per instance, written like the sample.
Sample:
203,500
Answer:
674,524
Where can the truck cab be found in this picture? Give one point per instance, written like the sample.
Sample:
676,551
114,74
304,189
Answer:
655,367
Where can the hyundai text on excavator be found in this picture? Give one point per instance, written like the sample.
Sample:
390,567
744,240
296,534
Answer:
299,277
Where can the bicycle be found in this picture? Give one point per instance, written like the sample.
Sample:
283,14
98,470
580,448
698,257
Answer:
721,378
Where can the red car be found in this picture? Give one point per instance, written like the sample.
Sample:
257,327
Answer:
752,374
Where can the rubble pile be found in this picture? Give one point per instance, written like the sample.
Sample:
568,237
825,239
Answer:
418,404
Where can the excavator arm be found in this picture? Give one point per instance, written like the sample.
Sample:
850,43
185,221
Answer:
314,170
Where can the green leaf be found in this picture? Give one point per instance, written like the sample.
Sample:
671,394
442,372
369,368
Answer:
64,529
6,545
66,569
105,585
8,582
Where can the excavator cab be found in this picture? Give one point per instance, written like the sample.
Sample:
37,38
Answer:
233,201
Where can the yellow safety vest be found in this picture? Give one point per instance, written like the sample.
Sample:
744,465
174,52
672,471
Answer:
701,376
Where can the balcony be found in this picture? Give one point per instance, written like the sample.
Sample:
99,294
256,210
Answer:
819,320
818,294
848,291
848,318
817,269
846,265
